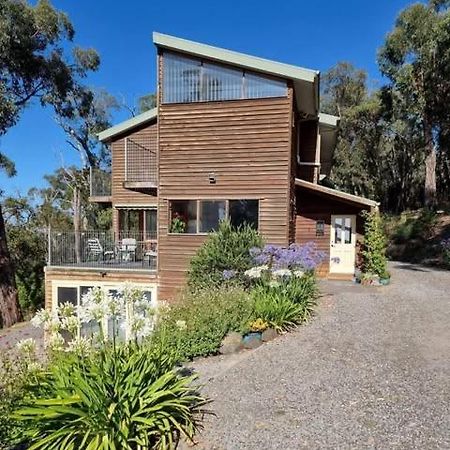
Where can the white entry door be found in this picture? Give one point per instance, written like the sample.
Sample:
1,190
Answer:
343,244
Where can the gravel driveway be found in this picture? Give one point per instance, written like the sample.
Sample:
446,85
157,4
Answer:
371,371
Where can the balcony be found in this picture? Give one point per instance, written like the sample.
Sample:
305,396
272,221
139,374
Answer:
140,165
100,186
103,250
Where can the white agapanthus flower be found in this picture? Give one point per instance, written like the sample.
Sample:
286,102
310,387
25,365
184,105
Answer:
282,273
298,273
55,342
41,317
140,326
66,310
181,324
26,346
94,305
274,284
70,324
81,346
256,272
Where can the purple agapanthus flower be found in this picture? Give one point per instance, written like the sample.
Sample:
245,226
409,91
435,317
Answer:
227,274
306,257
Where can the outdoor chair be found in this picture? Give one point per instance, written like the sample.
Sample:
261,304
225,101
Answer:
96,251
128,249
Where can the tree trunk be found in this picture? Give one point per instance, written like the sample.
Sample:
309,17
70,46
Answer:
76,205
430,166
9,301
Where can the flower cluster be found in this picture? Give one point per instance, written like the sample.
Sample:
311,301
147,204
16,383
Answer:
306,257
228,274
129,307
256,272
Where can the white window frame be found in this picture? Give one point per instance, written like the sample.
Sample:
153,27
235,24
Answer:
153,288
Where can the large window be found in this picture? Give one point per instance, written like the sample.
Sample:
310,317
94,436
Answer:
74,294
210,215
183,216
187,80
204,216
244,212
138,223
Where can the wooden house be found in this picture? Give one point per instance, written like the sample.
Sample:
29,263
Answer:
232,136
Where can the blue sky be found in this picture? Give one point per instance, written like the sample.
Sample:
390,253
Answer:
312,34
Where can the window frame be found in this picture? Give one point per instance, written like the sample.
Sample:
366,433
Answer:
243,83
198,200
142,219
110,285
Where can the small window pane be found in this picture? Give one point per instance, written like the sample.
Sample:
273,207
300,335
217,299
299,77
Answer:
211,213
348,230
221,83
150,224
183,216
244,212
91,328
338,230
258,86
181,79
129,221
320,228
68,295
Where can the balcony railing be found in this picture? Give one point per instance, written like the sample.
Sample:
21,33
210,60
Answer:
100,183
103,249
140,164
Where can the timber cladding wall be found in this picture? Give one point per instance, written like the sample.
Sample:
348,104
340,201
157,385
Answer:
312,207
146,136
91,276
246,144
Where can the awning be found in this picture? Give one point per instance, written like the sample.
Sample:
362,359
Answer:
336,194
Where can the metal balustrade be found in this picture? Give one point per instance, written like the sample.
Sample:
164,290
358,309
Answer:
140,162
100,183
103,249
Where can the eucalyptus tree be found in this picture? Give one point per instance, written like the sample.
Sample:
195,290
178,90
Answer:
416,59
34,64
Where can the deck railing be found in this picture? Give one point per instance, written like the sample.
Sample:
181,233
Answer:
103,249
100,185
140,162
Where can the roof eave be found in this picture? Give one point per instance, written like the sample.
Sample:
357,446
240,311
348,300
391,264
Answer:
235,58
336,193
127,125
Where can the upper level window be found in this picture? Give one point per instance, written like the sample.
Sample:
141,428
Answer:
204,216
187,80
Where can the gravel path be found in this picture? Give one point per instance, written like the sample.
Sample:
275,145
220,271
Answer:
24,330
371,371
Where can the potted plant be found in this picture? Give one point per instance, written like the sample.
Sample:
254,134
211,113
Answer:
373,251
178,225
256,329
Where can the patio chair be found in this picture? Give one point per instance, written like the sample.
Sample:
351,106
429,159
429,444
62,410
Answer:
96,251
128,249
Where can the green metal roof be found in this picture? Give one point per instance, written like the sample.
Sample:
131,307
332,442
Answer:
235,58
128,125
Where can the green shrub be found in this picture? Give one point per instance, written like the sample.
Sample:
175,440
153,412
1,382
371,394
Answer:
276,309
17,370
411,226
196,325
374,247
226,251
127,397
